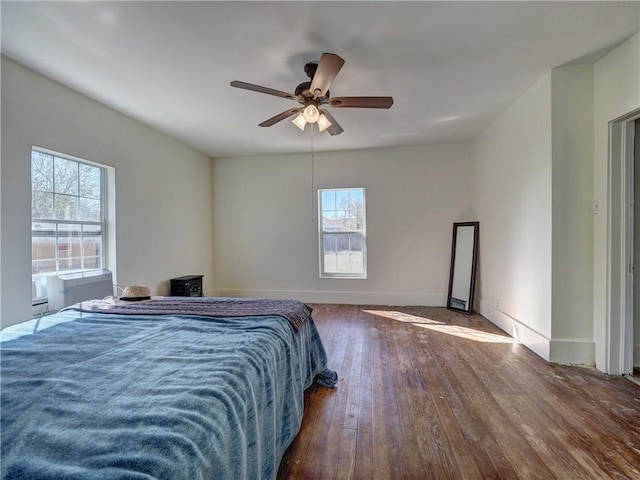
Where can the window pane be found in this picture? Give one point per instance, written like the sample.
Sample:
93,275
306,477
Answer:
343,243
90,181
353,223
328,198
64,247
92,239
42,247
356,263
330,262
69,264
329,243
66,207
344,262
330,223
355,242
75,247
65,176
343,224
342,196
357,195
92,263
89,209
41,172
352,210
92,246
41,205
43,266
68,240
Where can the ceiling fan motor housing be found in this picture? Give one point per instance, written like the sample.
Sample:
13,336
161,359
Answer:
304,90
310,69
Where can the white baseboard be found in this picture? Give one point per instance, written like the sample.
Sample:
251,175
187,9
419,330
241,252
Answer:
344,297
573,352
527,336
562,351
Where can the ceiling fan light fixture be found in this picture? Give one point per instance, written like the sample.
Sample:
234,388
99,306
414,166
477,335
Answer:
323,122
311,113
299,121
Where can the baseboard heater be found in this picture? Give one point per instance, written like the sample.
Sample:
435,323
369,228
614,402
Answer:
69,288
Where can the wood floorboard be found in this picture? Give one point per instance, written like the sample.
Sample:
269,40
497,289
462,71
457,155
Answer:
428,393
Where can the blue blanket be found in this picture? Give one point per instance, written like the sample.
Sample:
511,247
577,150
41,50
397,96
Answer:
172,397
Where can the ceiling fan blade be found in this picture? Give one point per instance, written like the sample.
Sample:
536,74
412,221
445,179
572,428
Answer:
361,102
334,128
280,117
329,66
269,91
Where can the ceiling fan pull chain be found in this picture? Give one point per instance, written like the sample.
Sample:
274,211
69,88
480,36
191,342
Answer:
313,210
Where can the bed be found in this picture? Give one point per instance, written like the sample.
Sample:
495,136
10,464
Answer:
172,388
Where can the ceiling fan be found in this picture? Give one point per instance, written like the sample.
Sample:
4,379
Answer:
315,93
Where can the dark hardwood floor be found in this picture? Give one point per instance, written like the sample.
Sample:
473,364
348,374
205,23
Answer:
426,393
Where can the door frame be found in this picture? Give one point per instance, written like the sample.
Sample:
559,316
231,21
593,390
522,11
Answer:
619,329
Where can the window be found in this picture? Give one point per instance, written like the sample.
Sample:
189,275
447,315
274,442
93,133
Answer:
68,221
342,225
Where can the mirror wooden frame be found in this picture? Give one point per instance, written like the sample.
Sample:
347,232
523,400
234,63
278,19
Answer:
470,272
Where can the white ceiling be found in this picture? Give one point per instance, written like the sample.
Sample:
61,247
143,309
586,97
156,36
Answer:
451,67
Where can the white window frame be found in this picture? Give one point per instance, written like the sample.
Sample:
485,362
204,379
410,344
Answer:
322,232
39,280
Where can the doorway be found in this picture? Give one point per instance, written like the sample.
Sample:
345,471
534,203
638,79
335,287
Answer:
623,310
634,160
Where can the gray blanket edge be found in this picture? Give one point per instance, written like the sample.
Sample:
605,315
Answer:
294,311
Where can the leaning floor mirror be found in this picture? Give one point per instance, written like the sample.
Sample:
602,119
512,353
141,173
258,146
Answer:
462,275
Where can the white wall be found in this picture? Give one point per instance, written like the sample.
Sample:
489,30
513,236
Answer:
543,252
572,217
512,168
163,188
616,93
266,233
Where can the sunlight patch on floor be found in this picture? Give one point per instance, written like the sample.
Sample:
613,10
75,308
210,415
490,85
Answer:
401,317
441,327
469,333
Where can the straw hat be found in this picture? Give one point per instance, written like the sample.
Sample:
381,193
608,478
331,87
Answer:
133,293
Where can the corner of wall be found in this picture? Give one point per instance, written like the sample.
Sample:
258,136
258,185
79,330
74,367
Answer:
535,341
573,352
616,93
512,197
572,161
